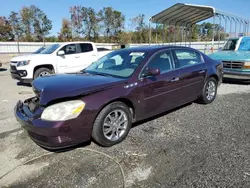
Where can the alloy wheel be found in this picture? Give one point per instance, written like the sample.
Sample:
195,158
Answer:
115,125
210,90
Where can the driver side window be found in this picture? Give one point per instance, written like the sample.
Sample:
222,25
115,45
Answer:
162,61
69,49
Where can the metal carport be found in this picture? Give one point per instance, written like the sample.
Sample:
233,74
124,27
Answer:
187,15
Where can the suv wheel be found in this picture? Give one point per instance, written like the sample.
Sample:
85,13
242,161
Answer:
42,72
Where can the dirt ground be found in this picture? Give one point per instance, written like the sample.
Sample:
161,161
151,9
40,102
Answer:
192,146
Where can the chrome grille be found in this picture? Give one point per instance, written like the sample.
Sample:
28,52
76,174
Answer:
233,64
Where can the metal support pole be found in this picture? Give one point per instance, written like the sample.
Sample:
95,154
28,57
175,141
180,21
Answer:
162,34
219,33
240,27
213,30
149,34
230,35
235,28
156,33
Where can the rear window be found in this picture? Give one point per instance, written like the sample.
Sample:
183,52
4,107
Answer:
187,57
86,47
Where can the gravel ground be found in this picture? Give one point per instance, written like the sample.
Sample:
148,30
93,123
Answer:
192,146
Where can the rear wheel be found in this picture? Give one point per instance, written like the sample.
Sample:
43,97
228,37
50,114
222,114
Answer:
42,72
209,91
112,124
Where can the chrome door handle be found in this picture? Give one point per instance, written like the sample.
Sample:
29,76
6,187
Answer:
175,79
202,71
77,57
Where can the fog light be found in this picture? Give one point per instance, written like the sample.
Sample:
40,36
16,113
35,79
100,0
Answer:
22,73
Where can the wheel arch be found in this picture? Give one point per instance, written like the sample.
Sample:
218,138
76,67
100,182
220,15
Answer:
127,102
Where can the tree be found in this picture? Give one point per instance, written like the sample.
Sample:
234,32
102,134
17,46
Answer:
27,19
15,22
66,30
140,28
42,25
112,22
5,29
76,20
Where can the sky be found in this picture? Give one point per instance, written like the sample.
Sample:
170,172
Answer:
58,9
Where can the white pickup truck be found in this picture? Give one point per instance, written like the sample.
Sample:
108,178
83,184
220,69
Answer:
67,57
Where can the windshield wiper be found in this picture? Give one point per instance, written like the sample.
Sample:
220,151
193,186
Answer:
101,74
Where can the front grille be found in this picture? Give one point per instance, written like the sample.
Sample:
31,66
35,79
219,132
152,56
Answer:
233,64
13,61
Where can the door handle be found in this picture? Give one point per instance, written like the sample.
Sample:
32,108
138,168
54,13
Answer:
202,71
175,79
63,66
77,57
93,55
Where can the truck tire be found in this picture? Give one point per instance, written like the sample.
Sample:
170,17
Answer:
42,72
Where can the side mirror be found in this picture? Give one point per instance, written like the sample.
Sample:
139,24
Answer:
61,53
151,72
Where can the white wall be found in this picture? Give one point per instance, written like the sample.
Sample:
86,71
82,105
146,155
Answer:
26,47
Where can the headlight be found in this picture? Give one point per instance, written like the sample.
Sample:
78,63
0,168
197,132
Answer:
247,65
63,111
23,63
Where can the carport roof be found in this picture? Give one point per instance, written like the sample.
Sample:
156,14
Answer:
181,13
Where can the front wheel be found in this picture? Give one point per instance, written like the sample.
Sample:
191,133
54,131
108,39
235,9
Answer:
41,72
209,91
112,124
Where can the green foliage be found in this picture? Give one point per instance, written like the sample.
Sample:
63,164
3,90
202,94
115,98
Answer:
6,33
105,25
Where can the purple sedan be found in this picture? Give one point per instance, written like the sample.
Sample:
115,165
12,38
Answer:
121,88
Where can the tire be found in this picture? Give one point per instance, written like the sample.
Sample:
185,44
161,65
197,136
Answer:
42,70
205,97
107,116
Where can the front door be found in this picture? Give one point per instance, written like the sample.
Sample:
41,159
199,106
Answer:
192,73
162,92
69,62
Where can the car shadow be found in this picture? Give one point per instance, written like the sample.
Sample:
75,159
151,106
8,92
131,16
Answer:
23,84
3,69
238,82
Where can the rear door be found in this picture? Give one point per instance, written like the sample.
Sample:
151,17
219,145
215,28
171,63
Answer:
161,92
87,56
192,73
70,61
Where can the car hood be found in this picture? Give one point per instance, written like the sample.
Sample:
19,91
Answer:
61,86
231,55
30,57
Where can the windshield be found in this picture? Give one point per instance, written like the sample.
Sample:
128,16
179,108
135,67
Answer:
120,63
245,44
39,50
230,45
50,49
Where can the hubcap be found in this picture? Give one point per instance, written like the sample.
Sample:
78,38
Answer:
210,90
44,73
115,125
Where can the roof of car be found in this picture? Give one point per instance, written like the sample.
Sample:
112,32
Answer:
152,48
